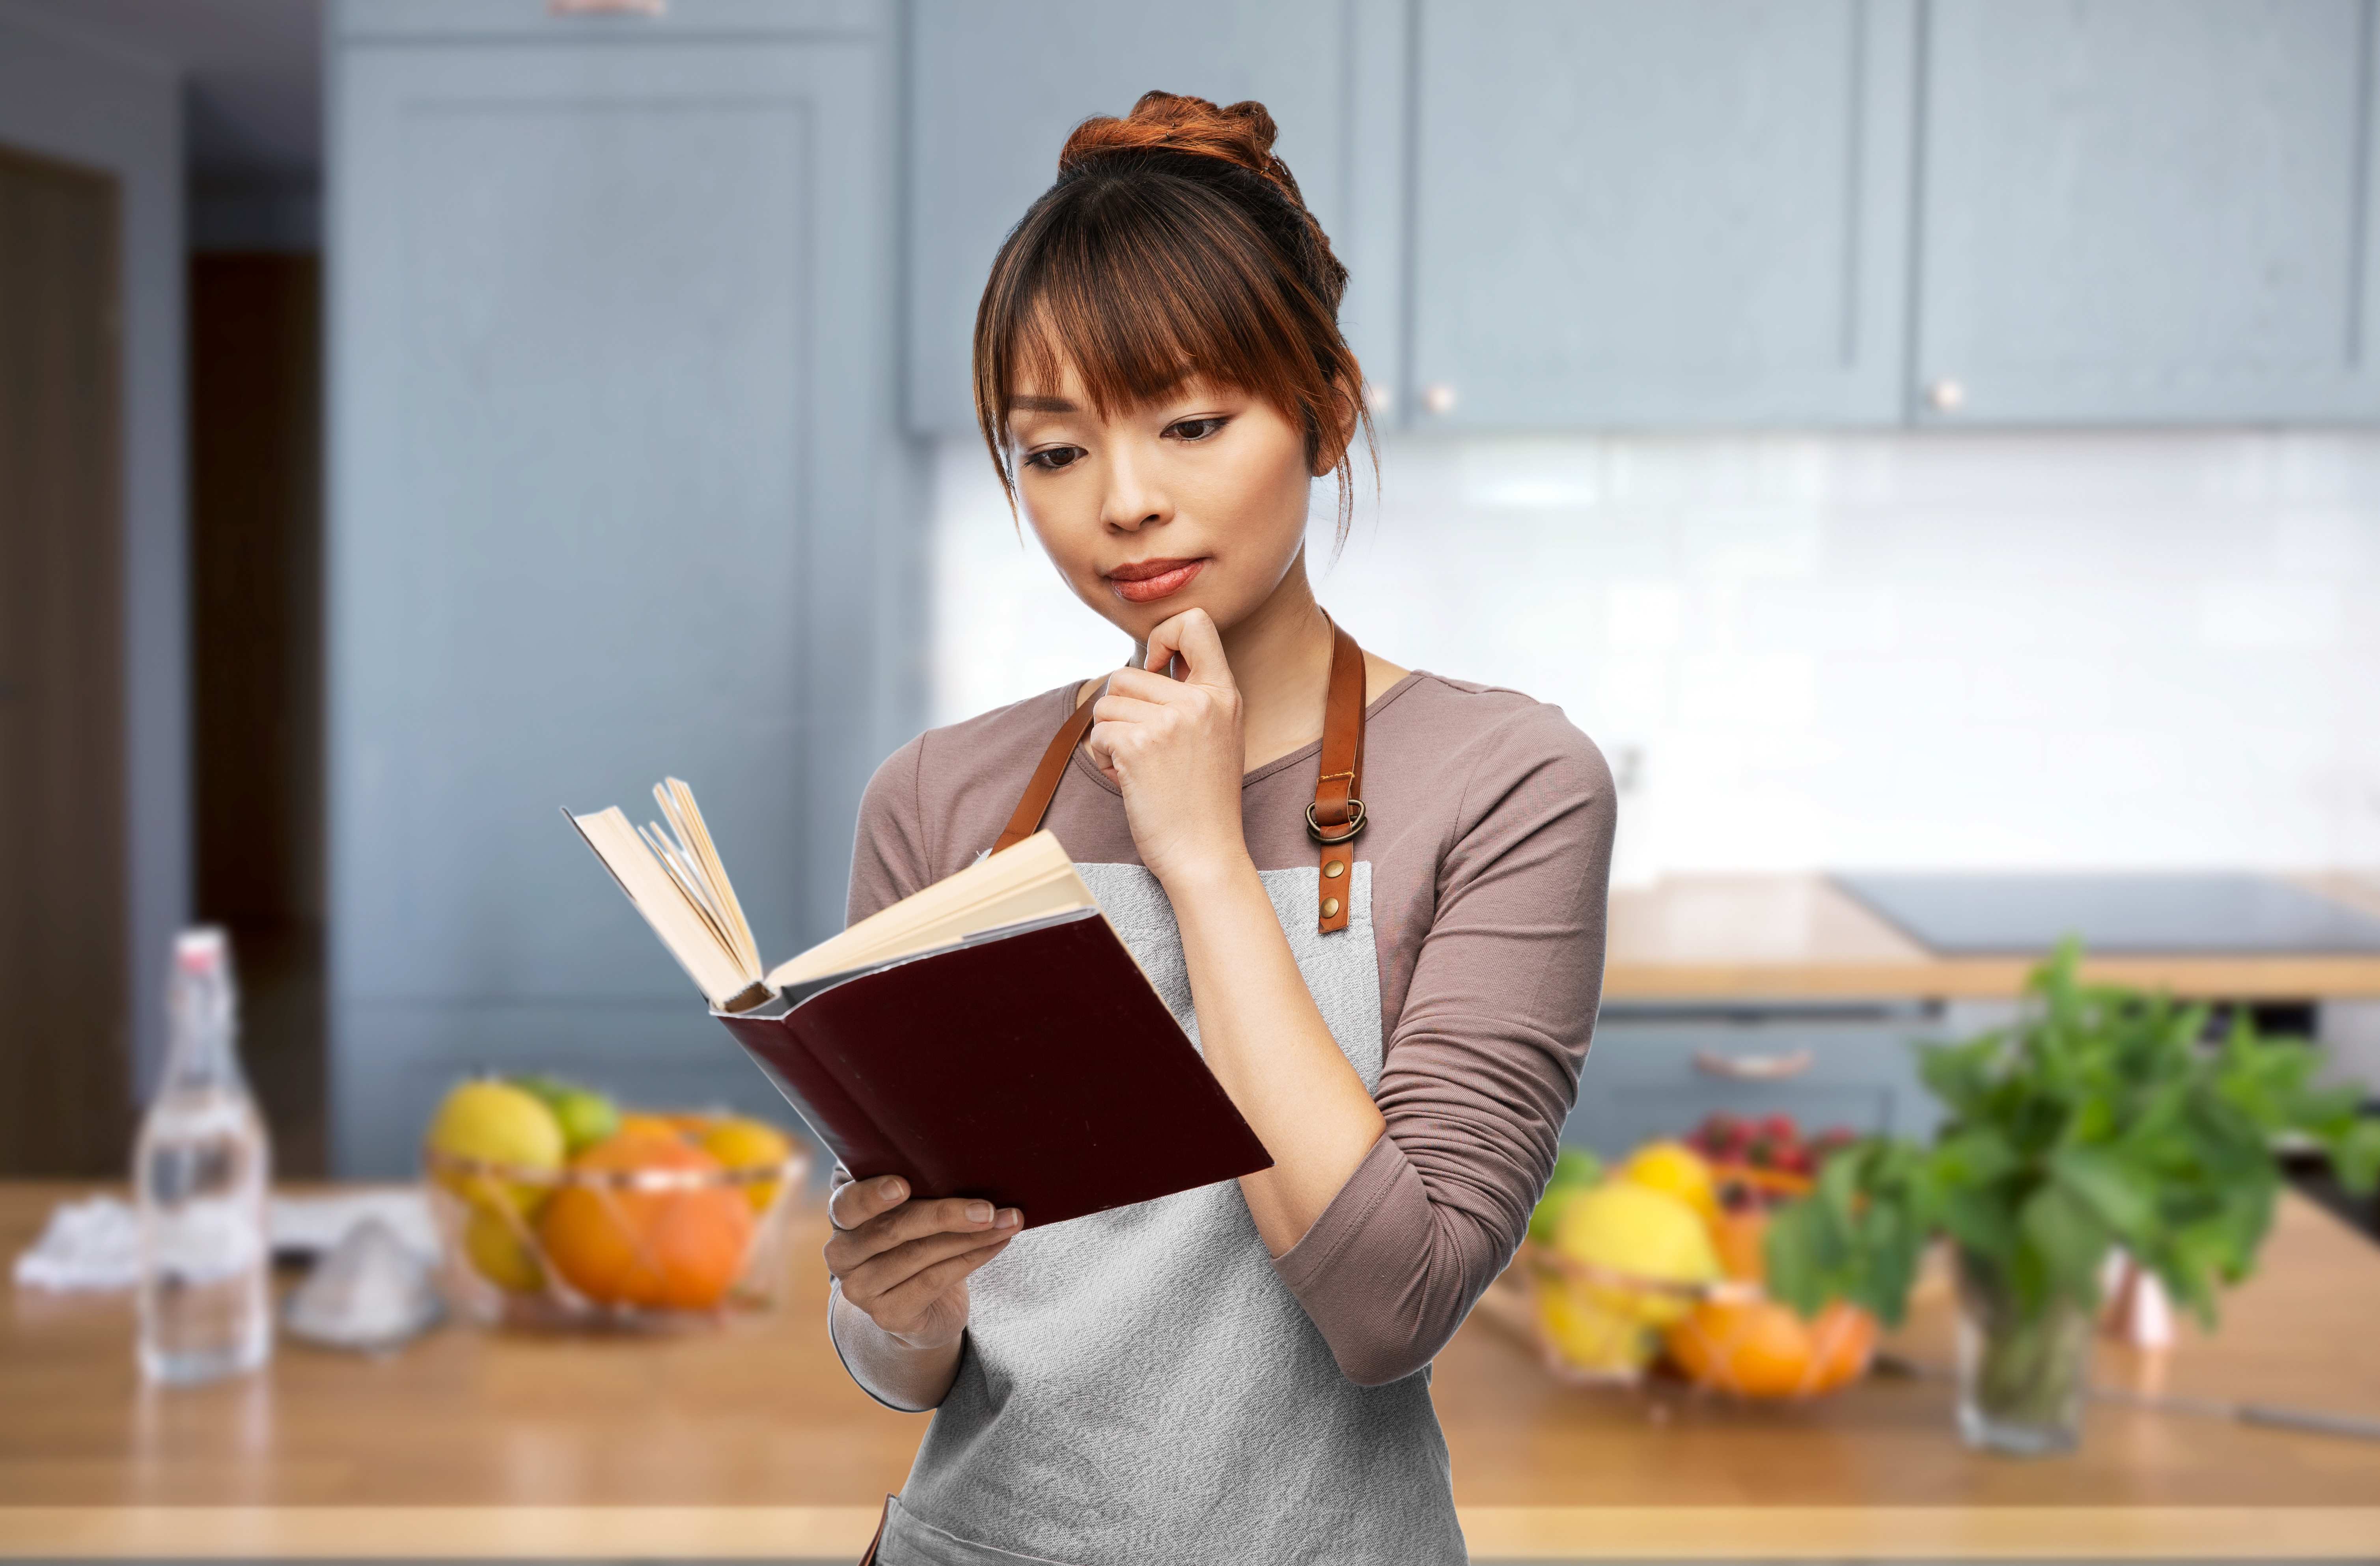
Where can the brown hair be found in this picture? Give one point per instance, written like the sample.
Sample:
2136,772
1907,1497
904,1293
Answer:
1173,243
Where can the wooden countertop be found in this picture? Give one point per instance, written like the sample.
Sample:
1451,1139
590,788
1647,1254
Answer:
749,1442
1797,937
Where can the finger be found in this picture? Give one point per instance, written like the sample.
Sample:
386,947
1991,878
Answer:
855,1202
1139,684
880,1275
909,1300
1191,633
1122,708
911,1220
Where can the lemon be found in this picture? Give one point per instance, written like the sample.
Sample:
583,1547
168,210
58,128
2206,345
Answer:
1590,1336
496,1123
500,1254
1677,1168
1637,1232
750,1144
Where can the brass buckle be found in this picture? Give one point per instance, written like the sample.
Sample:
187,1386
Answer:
1354,824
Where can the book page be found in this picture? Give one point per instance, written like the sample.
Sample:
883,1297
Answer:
718,971
1031,881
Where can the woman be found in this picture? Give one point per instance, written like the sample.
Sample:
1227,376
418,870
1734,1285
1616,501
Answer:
1379,911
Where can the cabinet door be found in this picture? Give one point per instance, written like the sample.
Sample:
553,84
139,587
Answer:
610,339
1693,212
996,85
2142,210
1648,1076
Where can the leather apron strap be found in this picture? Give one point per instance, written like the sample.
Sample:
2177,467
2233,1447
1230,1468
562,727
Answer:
1337,813
1332,820
1027,820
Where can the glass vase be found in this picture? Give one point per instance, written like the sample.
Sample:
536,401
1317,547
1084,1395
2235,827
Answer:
2022,1374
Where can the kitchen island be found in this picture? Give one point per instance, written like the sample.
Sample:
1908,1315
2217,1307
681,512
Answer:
748,1441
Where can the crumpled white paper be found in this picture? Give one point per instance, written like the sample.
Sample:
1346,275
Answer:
94,1245
369,1292
91,1244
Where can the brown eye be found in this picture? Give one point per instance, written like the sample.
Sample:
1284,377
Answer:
1056,459
1197,429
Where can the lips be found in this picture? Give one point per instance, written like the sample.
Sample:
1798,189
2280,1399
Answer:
1145,581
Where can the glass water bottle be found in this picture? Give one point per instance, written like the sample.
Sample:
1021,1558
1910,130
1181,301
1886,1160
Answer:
200,1169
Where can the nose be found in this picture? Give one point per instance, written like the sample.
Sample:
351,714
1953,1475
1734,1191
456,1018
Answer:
1135,497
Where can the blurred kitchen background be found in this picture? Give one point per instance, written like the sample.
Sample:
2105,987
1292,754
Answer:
1908,437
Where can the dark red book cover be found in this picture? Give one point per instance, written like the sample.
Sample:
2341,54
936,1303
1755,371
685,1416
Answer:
1035,1068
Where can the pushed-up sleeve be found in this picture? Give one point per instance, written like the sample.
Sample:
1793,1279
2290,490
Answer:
1481,1066
889,860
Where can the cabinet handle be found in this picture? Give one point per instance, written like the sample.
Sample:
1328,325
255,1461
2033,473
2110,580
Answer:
1947,395
1754,1068
1438,397
606,7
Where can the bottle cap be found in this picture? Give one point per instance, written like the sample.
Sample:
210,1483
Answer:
199,950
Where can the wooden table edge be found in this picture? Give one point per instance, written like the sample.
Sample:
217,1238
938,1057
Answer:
1498,1533
1962,978
1864,957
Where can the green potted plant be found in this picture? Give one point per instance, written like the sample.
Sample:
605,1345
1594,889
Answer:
2104,1119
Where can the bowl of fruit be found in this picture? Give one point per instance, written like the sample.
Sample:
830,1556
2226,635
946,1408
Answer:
1658,1263
556,1209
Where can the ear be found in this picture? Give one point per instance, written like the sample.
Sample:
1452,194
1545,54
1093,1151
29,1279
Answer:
1340,421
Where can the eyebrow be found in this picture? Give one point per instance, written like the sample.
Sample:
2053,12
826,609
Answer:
1044,405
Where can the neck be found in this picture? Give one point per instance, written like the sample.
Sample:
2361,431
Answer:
1280,655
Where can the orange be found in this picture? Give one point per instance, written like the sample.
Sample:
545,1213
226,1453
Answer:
679,1248
641,1123
1760,1349
1846,1343
1741,1238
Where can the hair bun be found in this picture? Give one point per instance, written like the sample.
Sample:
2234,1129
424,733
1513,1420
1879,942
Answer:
1241,135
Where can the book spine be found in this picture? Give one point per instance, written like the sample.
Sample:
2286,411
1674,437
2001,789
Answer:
833,1116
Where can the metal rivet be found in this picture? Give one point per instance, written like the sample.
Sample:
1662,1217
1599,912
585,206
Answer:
1331,907
1334,868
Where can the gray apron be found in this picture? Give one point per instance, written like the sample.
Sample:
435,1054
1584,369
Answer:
1139,1387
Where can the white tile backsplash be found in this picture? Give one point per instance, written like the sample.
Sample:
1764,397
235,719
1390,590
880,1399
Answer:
2106,651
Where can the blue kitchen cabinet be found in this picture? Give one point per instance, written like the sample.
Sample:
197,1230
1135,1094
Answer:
2147,212
1655,1071
1686,214
618,492
996,85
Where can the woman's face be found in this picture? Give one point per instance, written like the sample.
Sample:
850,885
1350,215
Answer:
1194,500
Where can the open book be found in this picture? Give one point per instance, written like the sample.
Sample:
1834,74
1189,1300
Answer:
989,1035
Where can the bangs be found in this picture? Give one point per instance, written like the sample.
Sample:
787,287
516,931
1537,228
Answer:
1138,307
1141,284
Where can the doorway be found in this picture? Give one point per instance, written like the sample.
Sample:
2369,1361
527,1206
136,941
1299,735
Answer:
256,654
64,1030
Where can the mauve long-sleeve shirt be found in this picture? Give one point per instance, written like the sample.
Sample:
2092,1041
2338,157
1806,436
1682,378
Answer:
1490,832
